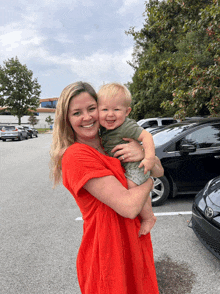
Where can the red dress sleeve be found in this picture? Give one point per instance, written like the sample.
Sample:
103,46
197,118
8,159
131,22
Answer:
81,163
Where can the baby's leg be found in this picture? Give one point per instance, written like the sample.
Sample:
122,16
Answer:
147,215
148,218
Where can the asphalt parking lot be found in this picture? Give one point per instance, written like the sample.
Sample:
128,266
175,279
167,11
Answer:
41,229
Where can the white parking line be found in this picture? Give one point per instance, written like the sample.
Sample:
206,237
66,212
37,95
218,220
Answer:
172,213
157,214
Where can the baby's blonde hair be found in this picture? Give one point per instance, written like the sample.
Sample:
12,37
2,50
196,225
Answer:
63,134
110,90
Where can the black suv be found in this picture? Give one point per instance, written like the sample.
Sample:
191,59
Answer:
190,154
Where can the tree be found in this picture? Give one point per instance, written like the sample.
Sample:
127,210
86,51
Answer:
49,120
19,92
175,56
33,120
199,93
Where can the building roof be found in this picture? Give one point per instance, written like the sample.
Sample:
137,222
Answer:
45,110
48,99
50,110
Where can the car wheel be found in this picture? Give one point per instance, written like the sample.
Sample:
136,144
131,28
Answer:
20,137
160,192
36,135
30,135
26,137
3,140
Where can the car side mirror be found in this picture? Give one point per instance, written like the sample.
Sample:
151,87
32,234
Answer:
187,148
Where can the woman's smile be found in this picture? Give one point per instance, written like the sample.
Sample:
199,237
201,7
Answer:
88,126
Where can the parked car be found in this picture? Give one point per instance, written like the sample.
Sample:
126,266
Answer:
35,132
154,124
1,131
206,216
14,132
190,154
31,131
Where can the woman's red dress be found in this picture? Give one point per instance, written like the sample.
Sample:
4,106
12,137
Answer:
112,259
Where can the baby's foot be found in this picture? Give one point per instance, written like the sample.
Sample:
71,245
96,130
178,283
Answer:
147,225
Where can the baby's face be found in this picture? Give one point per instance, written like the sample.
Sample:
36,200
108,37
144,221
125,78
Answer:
112,111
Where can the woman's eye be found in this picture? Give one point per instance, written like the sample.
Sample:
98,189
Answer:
92,109
76,113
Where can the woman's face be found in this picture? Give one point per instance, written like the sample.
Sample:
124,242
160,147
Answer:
83,117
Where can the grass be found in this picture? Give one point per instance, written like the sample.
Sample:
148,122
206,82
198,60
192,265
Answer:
43,130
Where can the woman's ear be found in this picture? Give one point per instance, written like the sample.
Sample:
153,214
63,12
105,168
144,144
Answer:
128,111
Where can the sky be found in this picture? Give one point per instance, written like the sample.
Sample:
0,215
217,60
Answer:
64,41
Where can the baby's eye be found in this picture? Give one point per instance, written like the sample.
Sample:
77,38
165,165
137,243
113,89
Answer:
104,109
116,109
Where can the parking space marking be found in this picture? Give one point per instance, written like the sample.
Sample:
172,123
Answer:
172,213
156,214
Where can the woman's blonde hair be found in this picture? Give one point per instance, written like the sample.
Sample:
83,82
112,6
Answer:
111,90
63,134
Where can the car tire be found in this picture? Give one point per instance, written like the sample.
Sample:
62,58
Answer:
36,135
3,140
160,192
20,138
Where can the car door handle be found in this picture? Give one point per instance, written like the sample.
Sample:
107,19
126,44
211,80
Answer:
217,156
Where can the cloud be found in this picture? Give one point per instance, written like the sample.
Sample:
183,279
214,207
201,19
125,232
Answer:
18,41
69,40
127,6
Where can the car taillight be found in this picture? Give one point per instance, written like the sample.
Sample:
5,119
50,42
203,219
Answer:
15,130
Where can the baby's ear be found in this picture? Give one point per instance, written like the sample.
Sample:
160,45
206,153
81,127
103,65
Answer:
128,111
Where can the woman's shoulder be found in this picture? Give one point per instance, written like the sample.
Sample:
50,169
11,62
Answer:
76,147
78,151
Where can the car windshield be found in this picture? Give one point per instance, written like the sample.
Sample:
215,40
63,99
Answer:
169,133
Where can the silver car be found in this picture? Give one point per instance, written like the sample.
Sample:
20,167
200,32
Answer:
156,123
13,132
1,131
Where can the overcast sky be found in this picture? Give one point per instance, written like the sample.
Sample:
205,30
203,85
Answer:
63,41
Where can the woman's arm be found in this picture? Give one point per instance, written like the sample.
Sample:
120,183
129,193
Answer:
127,203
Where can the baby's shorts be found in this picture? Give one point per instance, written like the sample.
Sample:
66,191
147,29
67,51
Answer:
134,173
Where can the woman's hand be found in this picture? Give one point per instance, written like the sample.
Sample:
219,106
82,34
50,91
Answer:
129,152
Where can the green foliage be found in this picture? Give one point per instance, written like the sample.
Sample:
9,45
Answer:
176,60
49,120
32,120
19,93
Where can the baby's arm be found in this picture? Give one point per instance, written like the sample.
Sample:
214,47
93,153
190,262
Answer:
157,171
148,144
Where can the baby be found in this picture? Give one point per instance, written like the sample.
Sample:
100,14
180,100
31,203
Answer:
114,106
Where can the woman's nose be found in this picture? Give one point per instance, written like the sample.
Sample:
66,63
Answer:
86,115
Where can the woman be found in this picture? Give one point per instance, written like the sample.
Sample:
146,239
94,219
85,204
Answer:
111,259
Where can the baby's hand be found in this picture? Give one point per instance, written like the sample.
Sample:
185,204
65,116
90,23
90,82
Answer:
148,164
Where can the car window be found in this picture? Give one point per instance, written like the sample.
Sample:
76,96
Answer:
169,133
205,137
166,122
8,128
150,124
